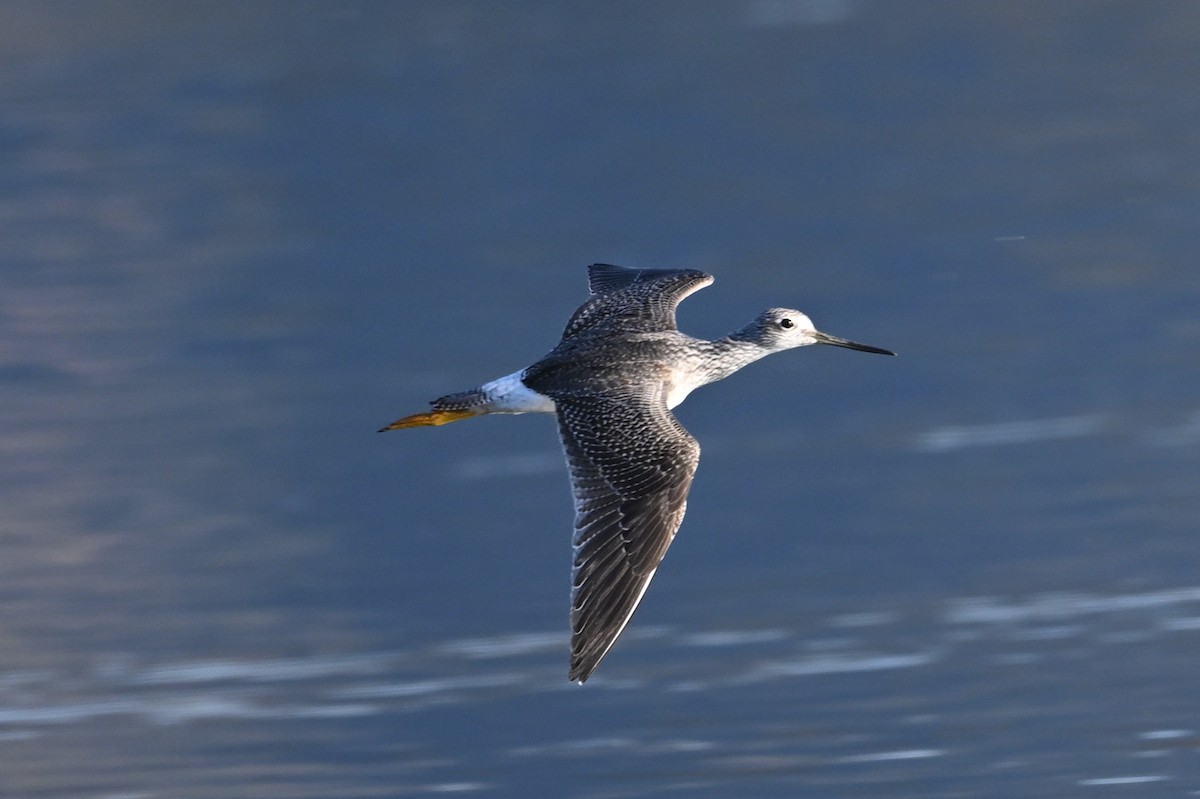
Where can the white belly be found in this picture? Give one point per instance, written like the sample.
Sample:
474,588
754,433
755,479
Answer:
682,383
509,395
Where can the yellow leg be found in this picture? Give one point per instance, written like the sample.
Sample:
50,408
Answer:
432,418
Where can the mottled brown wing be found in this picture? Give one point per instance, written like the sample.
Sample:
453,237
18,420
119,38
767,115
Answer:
631,466
634,299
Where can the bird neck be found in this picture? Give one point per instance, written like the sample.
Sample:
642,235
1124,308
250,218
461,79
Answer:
729,354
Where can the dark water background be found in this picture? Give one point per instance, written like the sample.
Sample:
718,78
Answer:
238,237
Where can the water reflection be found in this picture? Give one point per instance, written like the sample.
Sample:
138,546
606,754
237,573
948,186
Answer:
958,647
239,238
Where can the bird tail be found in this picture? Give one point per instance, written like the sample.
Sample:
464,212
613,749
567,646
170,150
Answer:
449,408
432,418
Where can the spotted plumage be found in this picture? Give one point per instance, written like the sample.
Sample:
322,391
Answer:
620,368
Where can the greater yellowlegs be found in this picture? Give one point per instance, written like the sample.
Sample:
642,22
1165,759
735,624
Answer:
621,366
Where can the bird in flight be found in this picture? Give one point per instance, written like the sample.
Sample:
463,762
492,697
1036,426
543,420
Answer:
621,366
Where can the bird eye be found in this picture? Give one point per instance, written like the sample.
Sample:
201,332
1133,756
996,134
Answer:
786,324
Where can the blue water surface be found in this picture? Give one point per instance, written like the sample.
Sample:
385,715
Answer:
238,238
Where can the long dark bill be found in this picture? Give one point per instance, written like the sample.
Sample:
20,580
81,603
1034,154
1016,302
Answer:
825,338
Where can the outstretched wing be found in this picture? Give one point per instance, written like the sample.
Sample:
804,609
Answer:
634,299
631,466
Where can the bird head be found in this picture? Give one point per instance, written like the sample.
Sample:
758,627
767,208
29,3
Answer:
786,328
